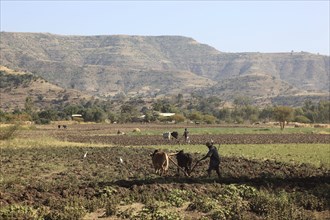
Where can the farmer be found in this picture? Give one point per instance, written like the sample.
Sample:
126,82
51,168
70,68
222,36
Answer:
214,159
186,135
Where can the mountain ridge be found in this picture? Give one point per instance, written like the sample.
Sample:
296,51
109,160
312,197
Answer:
154,66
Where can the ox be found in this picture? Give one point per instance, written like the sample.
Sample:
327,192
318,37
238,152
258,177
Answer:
184,160
160,162
167,135
175,134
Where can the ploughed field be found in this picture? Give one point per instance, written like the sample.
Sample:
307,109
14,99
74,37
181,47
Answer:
202,139
107,134
90,181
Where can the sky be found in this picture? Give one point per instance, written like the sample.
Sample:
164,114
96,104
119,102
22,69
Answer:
228,26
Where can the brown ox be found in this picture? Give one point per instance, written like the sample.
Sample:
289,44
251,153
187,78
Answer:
160,162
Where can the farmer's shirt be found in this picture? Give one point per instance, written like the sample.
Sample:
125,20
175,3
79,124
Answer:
214,156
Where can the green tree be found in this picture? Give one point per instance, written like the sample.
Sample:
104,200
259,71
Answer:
49,114
283,114
165,106
179,98
238,115
302,119
209,119
224,115
3,116
250,113
242,101
267,113
150,116
195,116
73,109
178,118
129,109
95,114
17,111
323,112
127,113
298,112
99,115
29,105
112,117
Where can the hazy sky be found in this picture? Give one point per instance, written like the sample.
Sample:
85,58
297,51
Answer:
229,26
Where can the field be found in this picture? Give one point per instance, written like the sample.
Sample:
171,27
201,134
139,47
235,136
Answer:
265,173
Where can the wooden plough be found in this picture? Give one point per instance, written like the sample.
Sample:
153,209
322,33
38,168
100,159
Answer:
185,173
192,169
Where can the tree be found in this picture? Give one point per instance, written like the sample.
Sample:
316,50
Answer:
99,115
323,115
302,119
283,114
127,113
94,114
242,101
72,109
129,109
178,118
112,117
225,114
3,116
195,116
165,106
28,105
310,110
178,100
149,116
49,114
209,119
179,97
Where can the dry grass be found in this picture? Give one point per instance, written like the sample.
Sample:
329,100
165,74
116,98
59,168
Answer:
43,142
8,132
10,71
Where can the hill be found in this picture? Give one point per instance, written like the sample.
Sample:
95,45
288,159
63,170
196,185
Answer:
154,66
16,87
253,86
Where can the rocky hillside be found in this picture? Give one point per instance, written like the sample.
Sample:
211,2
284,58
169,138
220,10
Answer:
16,87
253,86
153,66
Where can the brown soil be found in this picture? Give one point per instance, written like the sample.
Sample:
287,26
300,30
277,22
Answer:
49,175
107,134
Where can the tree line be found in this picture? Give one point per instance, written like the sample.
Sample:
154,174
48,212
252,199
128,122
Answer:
196,109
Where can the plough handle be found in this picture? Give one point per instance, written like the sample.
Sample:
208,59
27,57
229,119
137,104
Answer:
192,169
185,173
